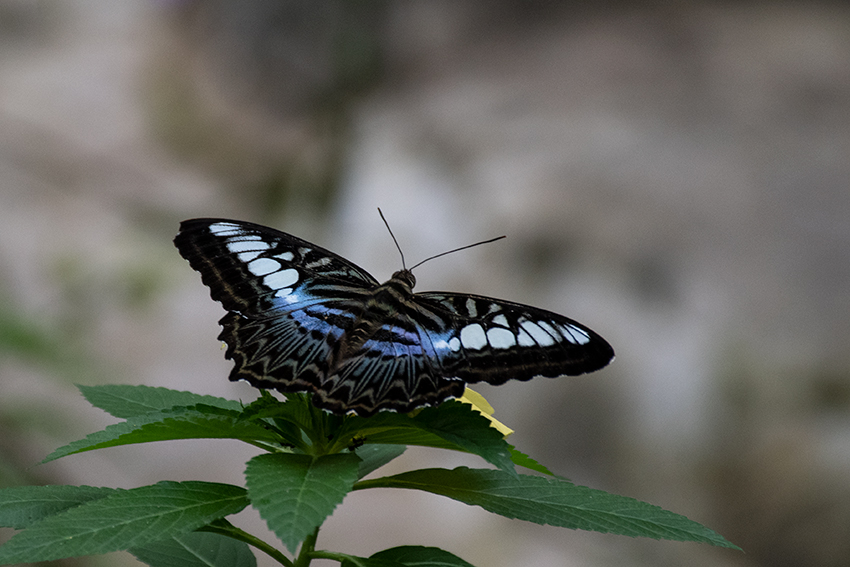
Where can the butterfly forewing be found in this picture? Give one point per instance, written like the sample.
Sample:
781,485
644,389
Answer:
301,318
495,341
248,267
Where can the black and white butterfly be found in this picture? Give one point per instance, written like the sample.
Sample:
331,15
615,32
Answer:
303,319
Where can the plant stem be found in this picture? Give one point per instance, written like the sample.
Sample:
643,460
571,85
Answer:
338,557
269,447
223,527
307,549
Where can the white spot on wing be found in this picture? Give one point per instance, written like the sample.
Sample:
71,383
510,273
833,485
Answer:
473,337
237,246
285,256
263,266
550,329
524,339
537,333
284,292
470,308
281,279
501,338
501,320
454,344
575,335
246,257
223,228
319,263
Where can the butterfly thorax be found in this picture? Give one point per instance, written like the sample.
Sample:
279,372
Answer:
386,301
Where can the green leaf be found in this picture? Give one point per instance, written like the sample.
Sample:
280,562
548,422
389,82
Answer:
523,460
294,410
295,493
460,424
126,401
552,501
419,556
124,519
297,411
287,416
391,428
198,422
196,549
452,425
374,457
22,506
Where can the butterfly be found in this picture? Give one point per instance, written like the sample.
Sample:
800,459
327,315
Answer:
303,319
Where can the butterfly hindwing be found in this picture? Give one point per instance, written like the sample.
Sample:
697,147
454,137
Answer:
301,318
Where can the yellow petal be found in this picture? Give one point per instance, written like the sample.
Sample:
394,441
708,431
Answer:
478,402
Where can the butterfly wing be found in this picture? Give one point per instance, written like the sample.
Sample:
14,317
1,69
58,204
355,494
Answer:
493,341
289,301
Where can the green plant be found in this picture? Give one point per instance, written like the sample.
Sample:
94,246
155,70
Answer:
311,459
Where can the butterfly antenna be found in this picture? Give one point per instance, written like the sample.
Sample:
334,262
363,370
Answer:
394,240
436,255
459,249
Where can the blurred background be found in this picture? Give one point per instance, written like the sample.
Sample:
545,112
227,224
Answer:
675,176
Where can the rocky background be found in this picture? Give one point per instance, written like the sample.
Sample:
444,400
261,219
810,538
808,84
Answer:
676,177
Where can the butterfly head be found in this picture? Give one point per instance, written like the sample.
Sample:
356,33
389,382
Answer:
406,277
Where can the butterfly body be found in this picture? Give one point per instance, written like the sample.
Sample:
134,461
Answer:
303,319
